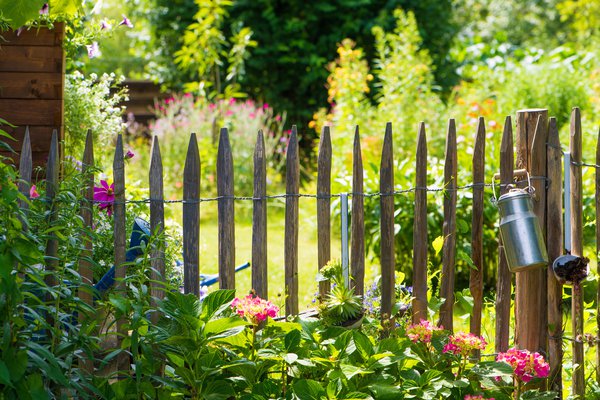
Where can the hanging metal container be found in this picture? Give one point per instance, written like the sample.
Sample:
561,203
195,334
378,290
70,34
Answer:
520,230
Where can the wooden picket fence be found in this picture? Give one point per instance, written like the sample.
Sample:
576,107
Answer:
538,150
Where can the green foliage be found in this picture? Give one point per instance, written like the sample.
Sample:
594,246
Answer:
341,304
19,13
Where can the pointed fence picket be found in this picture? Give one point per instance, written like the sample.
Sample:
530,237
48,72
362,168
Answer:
357,236
419,303
324,205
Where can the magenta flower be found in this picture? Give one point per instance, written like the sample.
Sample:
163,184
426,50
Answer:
526,365
93,50
45,9
421,332
476,397
104,195
254,309
126,22
464,343
33,194
130,154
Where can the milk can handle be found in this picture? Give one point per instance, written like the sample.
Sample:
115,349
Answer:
530,189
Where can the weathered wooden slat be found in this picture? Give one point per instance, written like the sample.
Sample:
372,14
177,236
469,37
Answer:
38,136
388,257
503,285
52,185
31,59
578,387
191,219
324,205
476,275
292,188
19,112
86,213
260,277
25,169
554,229
419,303
30,85
357,235
226,211
597,192
157,226
449,229
531,286
35,36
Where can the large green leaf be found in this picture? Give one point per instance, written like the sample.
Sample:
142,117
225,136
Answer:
214,301
5,375
308,389
19,12
65,7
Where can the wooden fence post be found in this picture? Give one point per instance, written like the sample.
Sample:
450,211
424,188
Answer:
555,249
388,257
51,190
531,286
476,275
191,219
292,191
577,249
449,229
157,226
260,277
324,206
419,303
357,220
503,284
226,212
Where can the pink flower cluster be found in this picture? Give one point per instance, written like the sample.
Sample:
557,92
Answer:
421,332
464,343
254,309
527,365
477,397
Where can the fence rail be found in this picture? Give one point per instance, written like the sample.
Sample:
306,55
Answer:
538,150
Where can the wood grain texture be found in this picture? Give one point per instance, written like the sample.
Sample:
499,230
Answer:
576,149
31,59
157,226
357,219
503,285
476,273
226,212
35,36
119,222
387,257
191,219
292,187
32,112
25,170
31,85
52,186
324,205
85,291
449,229
597,193
531,286
419,303
554,229
40,137
260,277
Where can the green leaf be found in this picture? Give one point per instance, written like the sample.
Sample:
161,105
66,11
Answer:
218,390
65,7
5,375
308,389
5,134
221,325
213,302
292,340
20,12
438,244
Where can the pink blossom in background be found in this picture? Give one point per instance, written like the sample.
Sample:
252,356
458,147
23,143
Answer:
464,343
126,22
104,25
526,365
476,397
278,118
104,195
45,9
229,113
231,101
130,154
421,332
33,194
93,50
254,309
265,106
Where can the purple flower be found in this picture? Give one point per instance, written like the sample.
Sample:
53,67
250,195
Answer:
126,22
33,194
105,196
44,10
129,154
93,50
104,25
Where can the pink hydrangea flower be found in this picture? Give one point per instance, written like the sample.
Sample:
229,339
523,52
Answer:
526,365
33,194
421,332
476,397
104,195
254,309
464,343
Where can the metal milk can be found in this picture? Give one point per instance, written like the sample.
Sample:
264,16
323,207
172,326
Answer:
521,232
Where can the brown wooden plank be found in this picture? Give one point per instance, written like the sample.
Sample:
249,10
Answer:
476,273
25,169
578,387
292,189
324,205
554,229
52,186
35,36
531,286
597,192
31,85
419,303
226,212
503,285
40,137
449,229
31,59
32,112
157,225
191,219
357,220
260,277
388,257
85,211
